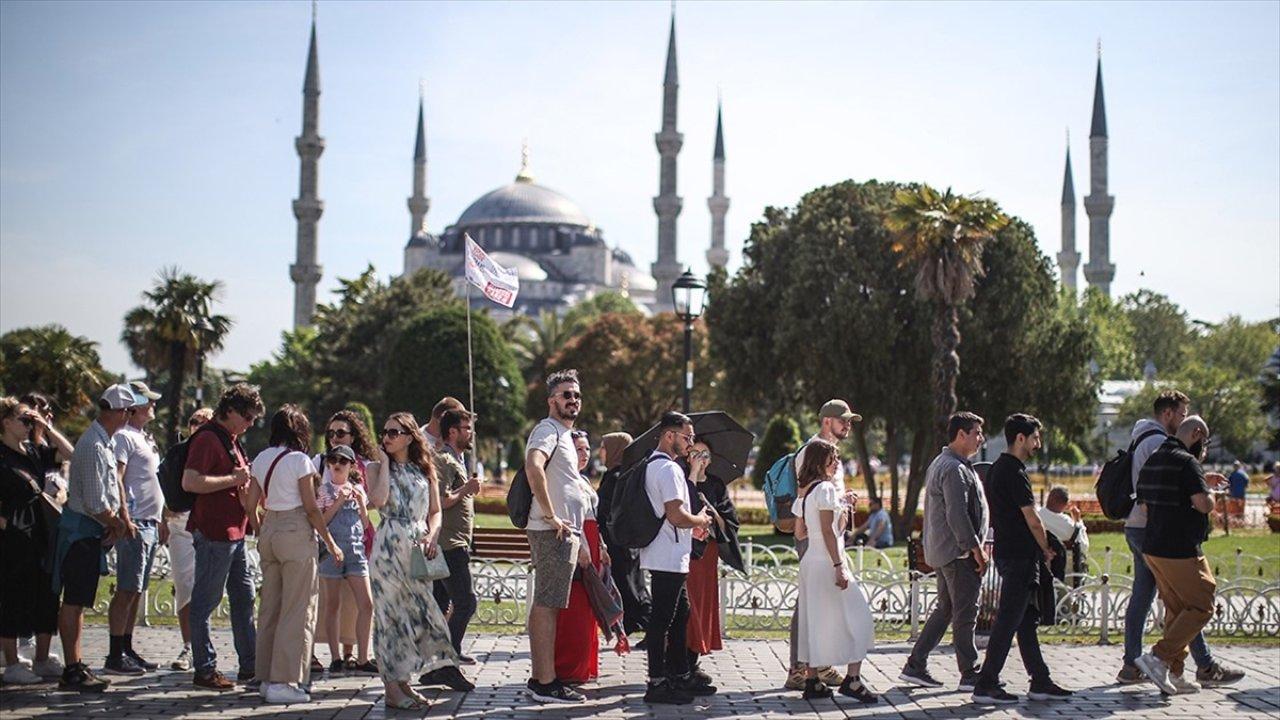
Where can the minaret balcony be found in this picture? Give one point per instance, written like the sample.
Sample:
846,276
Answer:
669,142
666,205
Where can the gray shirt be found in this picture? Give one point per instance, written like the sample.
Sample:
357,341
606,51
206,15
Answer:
563,488
137,450
955,510
92,485
1138,515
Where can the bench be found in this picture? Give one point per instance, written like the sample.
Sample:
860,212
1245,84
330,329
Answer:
500,544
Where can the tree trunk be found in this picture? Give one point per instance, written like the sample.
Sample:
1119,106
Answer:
864,458
177,379
892,454
946,366
920,459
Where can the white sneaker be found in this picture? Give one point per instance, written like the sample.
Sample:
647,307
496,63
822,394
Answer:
285,694
1156,669
1184,686
50,667
183,661
20,674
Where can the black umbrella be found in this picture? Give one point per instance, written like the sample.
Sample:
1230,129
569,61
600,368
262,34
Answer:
730,444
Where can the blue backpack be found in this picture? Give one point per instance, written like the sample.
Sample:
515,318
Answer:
780,491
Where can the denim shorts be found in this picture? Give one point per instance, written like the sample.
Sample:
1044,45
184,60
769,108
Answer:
354,563
134,557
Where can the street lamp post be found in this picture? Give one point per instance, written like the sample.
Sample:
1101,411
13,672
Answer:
688,295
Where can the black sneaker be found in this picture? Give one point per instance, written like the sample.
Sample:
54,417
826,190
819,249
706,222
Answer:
466,660
554,692
983,695
122,665
815,689
141,661
919,677
665,693
861,693
337,668
1048,690
701,677
450,677
694,686
368,667
79,678
968,682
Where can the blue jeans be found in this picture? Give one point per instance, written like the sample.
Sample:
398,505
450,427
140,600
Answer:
1144,593
221,564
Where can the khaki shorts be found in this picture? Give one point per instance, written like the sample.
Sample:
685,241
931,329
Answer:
553,562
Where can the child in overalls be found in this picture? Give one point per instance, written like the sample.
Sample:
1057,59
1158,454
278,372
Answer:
345,508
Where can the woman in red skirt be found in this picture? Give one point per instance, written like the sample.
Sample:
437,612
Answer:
577,639
709,547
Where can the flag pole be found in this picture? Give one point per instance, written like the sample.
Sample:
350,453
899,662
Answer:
471,388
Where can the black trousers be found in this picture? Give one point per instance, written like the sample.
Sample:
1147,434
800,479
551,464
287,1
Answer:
668,626
457,589
629,579
1017,615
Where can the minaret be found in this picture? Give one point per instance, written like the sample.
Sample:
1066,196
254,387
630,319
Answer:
718,256
419,202
667,204
1099,271
308,207
1068,259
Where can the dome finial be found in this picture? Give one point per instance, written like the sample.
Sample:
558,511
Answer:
524,175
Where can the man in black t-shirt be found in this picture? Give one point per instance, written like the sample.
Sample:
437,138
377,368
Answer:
1020,543
1178,499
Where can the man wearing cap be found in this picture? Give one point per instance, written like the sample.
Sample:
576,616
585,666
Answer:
93,518
137,461
835,422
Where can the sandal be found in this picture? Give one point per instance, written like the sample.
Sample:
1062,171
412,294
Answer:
404,703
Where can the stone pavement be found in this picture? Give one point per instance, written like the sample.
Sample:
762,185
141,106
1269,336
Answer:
749,672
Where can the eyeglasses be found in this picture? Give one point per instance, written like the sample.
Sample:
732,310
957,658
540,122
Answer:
571,395
336,433
338,461
394,432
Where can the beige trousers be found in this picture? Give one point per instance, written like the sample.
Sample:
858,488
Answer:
287,608
1187,589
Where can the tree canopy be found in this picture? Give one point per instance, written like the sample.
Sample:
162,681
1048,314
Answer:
51,360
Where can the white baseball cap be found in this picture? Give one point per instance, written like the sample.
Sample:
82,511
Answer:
121,397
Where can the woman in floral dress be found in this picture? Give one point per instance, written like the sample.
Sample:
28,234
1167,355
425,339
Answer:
410,635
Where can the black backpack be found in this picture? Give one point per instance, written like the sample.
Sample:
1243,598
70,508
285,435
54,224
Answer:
175,464
1115,483
520,495
632,522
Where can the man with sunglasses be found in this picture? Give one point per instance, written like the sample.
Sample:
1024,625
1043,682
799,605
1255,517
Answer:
218,525
555,533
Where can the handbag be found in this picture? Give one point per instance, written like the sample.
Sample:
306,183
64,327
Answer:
422,567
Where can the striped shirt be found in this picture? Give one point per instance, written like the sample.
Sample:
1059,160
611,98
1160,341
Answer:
1166,483
92,485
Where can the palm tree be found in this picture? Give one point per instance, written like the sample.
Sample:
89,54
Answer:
52,361
536,341
173,331
942,236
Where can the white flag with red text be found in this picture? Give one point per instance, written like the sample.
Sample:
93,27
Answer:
499,284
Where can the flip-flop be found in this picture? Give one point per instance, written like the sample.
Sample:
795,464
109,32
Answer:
404,703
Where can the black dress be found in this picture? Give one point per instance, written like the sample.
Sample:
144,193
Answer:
625,563
28,604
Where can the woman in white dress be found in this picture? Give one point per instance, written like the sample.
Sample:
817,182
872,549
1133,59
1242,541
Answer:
835,624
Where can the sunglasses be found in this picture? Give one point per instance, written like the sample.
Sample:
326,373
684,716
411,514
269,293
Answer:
571,395
337,433
702,456
338,461
394,432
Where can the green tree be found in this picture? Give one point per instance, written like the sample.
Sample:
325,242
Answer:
1161,331
50,360
578,317
1227,403
535,341
1115,353
781,436
173,331
289,374
1239,347
940,236
429,361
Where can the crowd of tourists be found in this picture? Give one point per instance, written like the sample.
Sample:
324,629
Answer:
394,598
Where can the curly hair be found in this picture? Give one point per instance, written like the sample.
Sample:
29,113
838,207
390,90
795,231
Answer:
360,441
243,398
419,452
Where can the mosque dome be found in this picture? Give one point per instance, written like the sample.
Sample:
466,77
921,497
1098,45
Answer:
523,201
526,267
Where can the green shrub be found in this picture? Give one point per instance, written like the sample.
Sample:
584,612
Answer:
781,436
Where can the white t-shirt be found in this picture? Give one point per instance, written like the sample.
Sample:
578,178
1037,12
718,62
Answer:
283,493
138,452
838,477
664,481
563,489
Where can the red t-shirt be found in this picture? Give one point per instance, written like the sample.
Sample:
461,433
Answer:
217,515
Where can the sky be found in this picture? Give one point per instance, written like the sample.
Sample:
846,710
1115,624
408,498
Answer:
135,136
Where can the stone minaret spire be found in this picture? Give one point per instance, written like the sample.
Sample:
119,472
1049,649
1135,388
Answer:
308,207
667,204
1068,259
718,256
1099,271
419,202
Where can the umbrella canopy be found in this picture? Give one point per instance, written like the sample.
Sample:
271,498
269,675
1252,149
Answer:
730,443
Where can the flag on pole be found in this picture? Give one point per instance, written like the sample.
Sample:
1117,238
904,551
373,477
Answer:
499,284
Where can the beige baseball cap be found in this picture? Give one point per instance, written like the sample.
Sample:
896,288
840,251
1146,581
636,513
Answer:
838,409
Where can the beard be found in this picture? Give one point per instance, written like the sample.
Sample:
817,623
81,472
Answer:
1197,450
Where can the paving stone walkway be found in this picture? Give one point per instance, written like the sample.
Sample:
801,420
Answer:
749,672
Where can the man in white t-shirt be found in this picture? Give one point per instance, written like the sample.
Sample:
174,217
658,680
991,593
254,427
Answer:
667,560
551,465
